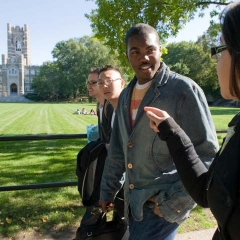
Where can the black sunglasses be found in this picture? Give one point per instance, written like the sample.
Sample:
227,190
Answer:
218,49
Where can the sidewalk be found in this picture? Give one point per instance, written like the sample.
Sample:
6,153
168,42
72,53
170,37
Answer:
70,234
196,235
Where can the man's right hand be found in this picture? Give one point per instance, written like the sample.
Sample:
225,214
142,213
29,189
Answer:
105,206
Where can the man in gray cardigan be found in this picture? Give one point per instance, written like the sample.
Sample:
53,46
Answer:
155,200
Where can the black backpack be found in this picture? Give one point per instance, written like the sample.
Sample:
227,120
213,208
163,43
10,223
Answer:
101,229
90,164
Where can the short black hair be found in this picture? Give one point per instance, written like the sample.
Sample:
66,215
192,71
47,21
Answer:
140,28
109,67
94,70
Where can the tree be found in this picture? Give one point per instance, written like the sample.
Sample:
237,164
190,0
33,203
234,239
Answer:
112,18
76,56
190,59
210,38
66,76
68,59
47,83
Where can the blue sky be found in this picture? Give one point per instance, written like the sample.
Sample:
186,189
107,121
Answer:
51,21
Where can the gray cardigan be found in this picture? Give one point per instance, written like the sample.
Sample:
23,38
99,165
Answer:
145,158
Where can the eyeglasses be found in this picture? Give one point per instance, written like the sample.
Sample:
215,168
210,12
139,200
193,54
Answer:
91,83
101,83
216,51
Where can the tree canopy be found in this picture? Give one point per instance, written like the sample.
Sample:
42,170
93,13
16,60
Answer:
191,60
67,75
113,18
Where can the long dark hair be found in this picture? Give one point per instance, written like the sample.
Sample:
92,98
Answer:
230,24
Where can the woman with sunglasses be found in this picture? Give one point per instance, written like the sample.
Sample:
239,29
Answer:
219,187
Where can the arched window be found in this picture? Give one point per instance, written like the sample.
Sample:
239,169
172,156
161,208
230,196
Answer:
18,45
13,71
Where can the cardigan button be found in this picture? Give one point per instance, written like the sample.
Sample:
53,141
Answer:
130,166
131,186
130,144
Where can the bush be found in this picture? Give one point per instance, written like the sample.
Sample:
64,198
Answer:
33,97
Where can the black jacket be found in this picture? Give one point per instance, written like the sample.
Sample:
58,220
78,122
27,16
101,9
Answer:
105,126
217,188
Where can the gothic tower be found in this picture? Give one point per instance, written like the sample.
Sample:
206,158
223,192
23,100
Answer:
18,42
16,73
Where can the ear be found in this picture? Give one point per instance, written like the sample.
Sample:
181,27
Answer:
122,83
160,48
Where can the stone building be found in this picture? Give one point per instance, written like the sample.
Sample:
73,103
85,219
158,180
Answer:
16,71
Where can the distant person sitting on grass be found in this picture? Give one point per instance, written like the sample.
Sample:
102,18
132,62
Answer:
92,112
77,111
84,111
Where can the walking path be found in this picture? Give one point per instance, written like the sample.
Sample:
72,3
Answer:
70,234
196,235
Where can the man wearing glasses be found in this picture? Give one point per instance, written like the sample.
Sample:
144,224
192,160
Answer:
110,85
92,87
106,84
104,113
104,108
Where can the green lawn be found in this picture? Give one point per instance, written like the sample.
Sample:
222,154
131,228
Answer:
29,162
222,116
44,118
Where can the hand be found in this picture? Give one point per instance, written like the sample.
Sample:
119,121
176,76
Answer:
105,206
156,116
107,145
155,208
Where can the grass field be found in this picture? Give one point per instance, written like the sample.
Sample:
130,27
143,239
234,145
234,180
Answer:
25,118
222,116
29,162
